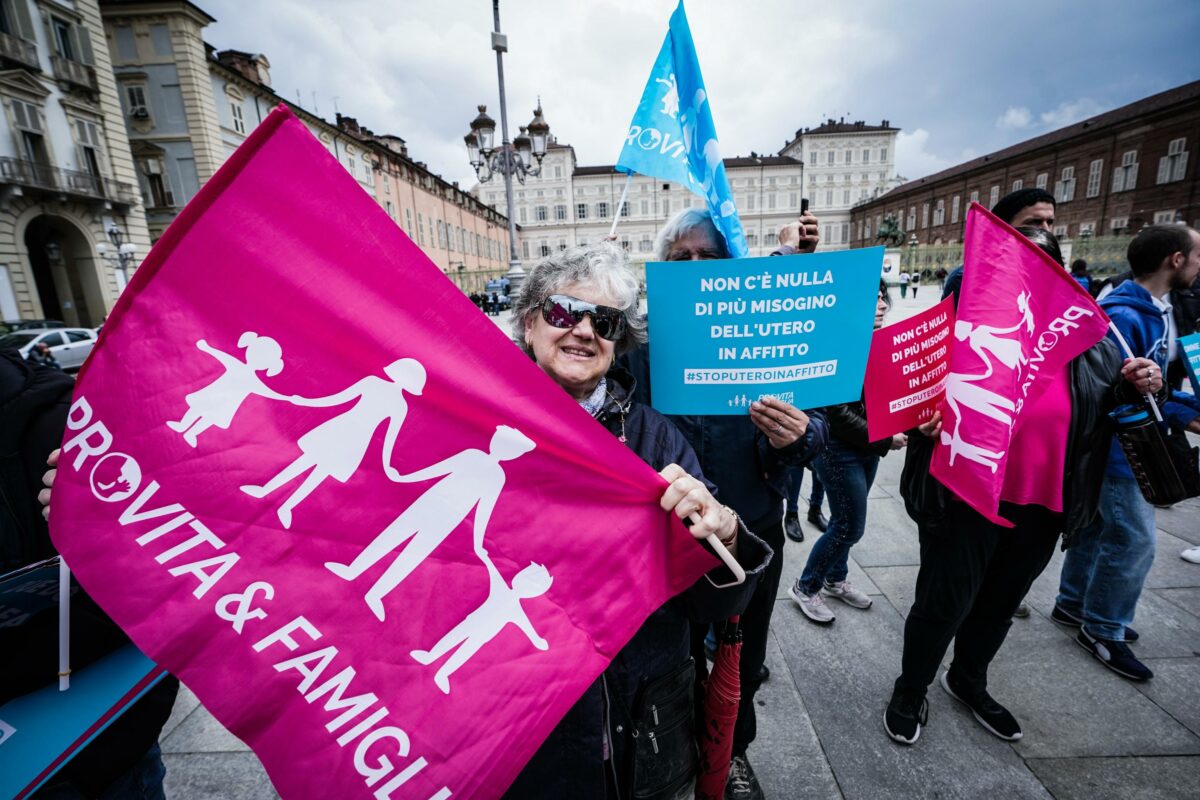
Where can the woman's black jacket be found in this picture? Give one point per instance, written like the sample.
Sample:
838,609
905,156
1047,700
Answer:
570,763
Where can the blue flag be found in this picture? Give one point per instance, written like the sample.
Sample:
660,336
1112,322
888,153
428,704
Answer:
672,135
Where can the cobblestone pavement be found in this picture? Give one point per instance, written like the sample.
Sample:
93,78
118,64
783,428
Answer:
1089,734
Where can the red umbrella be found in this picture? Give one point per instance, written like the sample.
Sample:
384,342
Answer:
722,694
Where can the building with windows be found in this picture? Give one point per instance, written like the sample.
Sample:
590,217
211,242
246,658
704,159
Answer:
844,163
188,106
66,174
1111,175
569,204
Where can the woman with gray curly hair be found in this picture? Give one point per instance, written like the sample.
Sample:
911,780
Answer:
632,732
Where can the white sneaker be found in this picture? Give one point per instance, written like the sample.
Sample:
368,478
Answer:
847,593
1192,554
813,605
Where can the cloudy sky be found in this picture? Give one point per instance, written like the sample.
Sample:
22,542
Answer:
959,78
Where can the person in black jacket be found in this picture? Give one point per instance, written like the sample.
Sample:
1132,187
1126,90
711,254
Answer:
632,732
847,468
974,572
125,756
747,456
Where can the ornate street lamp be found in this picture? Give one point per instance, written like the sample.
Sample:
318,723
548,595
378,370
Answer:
912,253
120,259
520,158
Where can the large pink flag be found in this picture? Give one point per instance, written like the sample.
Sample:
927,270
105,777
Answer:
308,477
1021,317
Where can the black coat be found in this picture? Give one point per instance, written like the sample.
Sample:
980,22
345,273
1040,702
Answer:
33,415
570,763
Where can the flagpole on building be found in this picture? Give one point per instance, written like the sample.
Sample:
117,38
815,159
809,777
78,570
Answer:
621,205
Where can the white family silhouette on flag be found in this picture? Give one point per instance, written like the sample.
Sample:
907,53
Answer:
471,479
963,389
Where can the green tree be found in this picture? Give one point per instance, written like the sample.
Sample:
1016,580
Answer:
890,233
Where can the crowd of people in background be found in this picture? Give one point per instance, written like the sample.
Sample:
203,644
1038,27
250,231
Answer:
1067,481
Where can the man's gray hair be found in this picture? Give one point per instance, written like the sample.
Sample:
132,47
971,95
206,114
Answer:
679,225
603,267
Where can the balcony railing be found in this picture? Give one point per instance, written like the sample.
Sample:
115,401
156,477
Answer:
34,175
73,72
19,50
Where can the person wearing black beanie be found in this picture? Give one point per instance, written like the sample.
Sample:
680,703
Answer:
1024,208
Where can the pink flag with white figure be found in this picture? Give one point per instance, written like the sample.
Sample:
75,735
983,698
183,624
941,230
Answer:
1021,317
308,477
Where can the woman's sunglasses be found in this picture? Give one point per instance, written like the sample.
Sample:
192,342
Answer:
564,311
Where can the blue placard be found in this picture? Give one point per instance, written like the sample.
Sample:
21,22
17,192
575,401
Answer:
725,333
1191,358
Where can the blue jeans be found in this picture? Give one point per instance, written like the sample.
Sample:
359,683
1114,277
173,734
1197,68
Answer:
1105,569
847,475
795,478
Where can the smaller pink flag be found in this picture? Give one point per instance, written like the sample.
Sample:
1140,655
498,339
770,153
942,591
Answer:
1021,318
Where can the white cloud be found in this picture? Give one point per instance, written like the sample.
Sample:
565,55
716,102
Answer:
1071,111
913,158
1015,118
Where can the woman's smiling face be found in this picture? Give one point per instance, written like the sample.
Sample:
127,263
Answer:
576,358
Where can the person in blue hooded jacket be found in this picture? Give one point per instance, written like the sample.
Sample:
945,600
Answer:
1103,574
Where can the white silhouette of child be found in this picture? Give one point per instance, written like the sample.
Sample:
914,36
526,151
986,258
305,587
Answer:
469,479
335,448
502,607
216,404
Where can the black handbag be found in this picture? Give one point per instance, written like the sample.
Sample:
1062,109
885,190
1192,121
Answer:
1166,467
664,757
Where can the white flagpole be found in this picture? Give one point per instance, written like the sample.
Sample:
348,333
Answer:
1129,352
624,193
64,625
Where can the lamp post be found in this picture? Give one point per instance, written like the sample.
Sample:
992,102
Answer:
515,158
122,257
912,253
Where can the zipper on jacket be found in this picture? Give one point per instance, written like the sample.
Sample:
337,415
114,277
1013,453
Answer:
609,754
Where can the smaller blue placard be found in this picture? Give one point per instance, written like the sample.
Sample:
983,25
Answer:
725,333
1191,358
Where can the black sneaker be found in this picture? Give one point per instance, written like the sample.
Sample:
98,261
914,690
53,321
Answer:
1069,620
817,519
1022,611
905,715
1115,655
791,526
1064,617
742,784
994,717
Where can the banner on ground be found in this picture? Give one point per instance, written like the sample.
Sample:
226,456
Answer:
43,728
387,568
1021,318
1191,359
906,371
672,135
725,333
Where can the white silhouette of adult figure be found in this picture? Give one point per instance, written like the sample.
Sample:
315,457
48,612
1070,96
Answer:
987,341
335,448
216,404
470,479
961,390
502,607
960,447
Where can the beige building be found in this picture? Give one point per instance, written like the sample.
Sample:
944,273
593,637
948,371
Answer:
568,204
188,106
66,172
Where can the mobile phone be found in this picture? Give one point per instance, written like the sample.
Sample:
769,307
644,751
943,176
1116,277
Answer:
803,206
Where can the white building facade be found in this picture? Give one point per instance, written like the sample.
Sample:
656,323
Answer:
568,204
